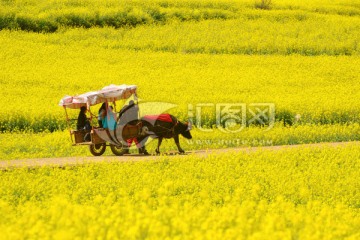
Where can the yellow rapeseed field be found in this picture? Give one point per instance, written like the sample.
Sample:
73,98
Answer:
305,193
58,144
253,55
300,56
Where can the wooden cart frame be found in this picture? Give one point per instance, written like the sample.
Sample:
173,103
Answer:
98,140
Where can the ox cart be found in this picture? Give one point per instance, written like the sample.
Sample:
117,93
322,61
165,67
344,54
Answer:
95,136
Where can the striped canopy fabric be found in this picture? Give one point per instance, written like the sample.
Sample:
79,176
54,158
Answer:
109,93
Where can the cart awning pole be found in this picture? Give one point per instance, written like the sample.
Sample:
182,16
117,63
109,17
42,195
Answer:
68,124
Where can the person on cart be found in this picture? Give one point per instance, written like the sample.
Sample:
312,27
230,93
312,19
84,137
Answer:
106,134
107,118
83,123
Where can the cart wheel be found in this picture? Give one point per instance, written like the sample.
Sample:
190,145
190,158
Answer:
97,149
117,150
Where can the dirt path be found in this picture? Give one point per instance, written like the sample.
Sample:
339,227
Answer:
71,161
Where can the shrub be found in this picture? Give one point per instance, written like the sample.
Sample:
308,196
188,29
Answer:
263,4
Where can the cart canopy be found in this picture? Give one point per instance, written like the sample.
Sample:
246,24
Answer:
109,93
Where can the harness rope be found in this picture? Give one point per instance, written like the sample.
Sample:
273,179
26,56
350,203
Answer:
172,130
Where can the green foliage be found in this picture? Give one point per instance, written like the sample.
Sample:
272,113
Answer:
130,16
26,23
263,4
49,16
285,117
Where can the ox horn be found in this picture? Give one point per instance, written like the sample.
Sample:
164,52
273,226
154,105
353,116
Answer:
189,126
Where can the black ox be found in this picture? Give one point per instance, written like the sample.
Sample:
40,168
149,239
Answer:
165,128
